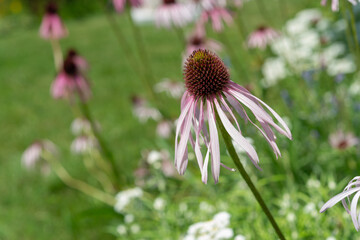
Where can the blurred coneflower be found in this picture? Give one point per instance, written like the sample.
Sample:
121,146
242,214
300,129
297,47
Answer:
211,93
340,140
173,88
198,40
172,13
143,111
164,129
335,4
119,5
84,144
32,156
216,14
52,27
352,187
70,82
262,37
80,62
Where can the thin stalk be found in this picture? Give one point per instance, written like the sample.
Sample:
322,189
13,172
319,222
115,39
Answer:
123,43
100,176
242,171
354,32
58,56
240,72
181,36
79,185
104,147
263,11
348,32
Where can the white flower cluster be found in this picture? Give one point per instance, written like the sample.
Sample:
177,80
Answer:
215,229
123,198
307,44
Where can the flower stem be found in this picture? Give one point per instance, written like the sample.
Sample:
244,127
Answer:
79,185
239,166
105,149
353,29
58,57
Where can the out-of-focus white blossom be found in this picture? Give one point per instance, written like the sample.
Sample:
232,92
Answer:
215,229
159,204
274,69
123,198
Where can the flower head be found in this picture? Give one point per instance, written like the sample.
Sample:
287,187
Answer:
335,4
51,25
123,198
214,13
198,40
171,13
84,144
119,5
340,140
262,37
70,81
210,89
144,112
32,156
79,61
352,187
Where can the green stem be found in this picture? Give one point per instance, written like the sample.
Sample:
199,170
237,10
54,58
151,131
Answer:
354,32
263,11
239,68
58,57
79,185
100,176
105,149
242,171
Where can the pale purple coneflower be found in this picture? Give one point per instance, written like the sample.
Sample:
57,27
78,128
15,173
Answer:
164,129
352,187
33,155
119,5
84,144
262,37
198,40
210,89
79,61
173,88
340,140
216,14
171,13
335,4
144,112
70,81
51,26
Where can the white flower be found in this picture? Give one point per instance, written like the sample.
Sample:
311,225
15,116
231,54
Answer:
273,71
135,228
153,157
129,218
215,229
159,204
121,229
206,207
123,198
239,237
333,51
354,89
341,66
313,183
291,217
331,238
173,88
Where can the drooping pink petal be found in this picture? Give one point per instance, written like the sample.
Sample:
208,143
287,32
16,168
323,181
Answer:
214,143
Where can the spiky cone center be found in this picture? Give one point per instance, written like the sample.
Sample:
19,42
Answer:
70,67
205,74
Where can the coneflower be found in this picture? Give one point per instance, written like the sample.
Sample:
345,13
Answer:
51,26
262,37
70,82
335,4
352,187
209,92
119,5
171,13
216,14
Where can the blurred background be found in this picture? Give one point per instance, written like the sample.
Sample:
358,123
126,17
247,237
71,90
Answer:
308,74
